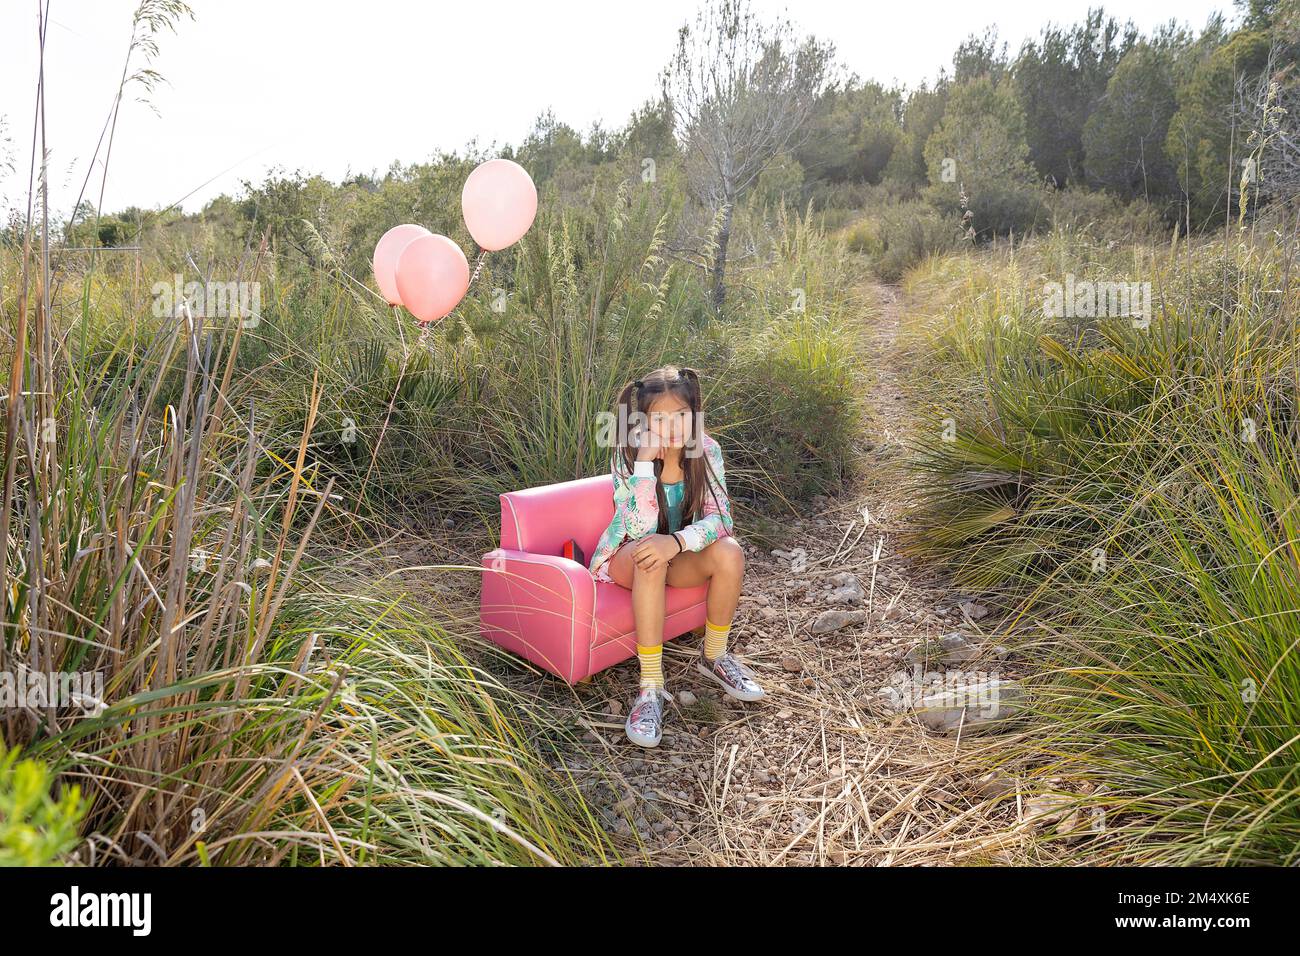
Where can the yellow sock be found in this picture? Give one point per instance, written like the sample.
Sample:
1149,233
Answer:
715,639
652,665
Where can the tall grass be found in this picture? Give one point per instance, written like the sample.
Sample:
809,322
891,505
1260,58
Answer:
251,712
159,525
1129,495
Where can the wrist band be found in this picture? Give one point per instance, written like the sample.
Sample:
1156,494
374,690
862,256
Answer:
680,547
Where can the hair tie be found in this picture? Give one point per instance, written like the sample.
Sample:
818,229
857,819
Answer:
638,384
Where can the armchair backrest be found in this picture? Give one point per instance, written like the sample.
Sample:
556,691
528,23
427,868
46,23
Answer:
540,520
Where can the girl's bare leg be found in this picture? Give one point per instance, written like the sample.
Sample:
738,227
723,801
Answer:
645,717
722,566
647,595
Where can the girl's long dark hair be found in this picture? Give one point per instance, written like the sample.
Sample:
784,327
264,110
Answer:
638,396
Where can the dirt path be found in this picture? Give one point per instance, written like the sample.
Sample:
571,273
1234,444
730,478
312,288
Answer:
822,772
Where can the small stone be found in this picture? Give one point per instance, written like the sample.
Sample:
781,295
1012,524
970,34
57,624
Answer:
1045,809
970,706
614,707
950,650
972,610
791,664
995,784
836,619
891,697
685,698
626,804
849,593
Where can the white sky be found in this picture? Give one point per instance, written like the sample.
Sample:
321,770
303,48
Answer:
329,86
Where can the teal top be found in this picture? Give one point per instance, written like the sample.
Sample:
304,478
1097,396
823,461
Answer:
673,496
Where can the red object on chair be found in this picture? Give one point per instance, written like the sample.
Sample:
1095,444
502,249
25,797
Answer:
573,552
549,608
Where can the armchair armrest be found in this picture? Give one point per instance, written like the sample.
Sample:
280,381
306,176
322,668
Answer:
541,606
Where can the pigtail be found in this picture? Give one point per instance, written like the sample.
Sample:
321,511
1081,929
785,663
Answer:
696,401
629,400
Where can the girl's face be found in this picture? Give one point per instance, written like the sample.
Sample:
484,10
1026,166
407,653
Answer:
670,420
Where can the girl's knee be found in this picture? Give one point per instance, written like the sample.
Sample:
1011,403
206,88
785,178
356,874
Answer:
728,557
659,573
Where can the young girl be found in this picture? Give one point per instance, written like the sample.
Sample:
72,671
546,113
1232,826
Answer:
671,527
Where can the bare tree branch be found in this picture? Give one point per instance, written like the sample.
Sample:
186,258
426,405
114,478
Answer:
741,92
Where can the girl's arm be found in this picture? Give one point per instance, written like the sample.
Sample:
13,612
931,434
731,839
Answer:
635,502
715,523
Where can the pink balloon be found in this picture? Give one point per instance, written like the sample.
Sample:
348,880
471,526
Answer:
387,251
499,202
432,277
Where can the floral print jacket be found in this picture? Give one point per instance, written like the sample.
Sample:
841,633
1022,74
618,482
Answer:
636,509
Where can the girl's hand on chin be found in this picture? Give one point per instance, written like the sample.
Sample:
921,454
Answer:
649,448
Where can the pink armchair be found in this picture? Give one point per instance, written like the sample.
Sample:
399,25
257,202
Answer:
551,610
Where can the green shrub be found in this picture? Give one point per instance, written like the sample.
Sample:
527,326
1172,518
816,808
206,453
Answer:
789,411
35,828
1131,491
899,236
977,160
1105,217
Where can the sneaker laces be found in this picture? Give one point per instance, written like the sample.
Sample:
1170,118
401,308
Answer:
662,692
735,671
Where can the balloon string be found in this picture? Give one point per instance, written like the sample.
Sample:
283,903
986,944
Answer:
426,331
478,265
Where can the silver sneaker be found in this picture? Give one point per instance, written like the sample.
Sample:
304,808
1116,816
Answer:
645,721
736,679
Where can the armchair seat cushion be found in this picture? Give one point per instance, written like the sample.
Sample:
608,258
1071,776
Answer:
614,609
